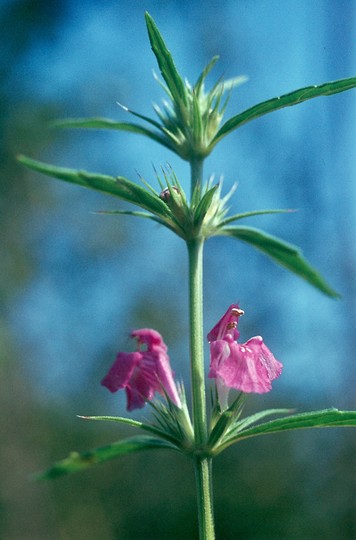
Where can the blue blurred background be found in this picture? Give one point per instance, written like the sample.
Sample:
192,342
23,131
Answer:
74,283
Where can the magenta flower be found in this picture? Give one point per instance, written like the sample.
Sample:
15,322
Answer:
249,367
144,372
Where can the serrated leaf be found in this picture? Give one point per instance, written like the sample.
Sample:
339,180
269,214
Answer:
287,100
119,186
76,461
165,62
106,123
283,253
326,418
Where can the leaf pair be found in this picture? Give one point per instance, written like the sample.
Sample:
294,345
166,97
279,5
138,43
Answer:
191,125
242,429
280,251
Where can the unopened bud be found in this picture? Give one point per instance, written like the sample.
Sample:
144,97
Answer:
165,195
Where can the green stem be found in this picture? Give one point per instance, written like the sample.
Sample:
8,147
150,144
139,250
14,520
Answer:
203,480
202,465
196,176
195,251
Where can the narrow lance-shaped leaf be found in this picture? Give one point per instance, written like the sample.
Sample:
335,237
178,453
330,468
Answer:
221,422
76,461
326,418
231,427
287,100
204,205
120,187
243,424
253,213
145,215
229,84
283,253
106,123
129,421
141,116
200,82
165,62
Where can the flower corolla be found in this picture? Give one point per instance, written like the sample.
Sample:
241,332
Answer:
144,372
249,367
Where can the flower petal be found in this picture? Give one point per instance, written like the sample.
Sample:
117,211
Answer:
250,367
120,372
219,353
165,377
144,372
227,325
142,385
135,400
267,359
149,337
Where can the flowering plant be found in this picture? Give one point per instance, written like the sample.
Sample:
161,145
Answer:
191,124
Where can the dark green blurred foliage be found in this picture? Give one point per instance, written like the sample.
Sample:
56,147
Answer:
266,489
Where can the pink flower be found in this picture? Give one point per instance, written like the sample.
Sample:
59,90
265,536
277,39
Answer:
249,367
144,372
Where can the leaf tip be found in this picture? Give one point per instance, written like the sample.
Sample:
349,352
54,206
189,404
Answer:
20,158
148,19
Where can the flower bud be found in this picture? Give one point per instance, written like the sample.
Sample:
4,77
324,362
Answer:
177,203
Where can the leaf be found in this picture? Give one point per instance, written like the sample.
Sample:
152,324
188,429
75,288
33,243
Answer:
229,84
229,424
141,116
287,100
165,62
222,421
129,213
106,123
76,461
119,419
241,425
204,205
317,419
144,215
129,421
283,253
243,215
200,82
120,187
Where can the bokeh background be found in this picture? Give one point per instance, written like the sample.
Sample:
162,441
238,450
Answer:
74,283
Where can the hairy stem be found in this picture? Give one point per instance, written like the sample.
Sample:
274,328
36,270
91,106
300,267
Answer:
202,465
195,251
196,176
203,480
